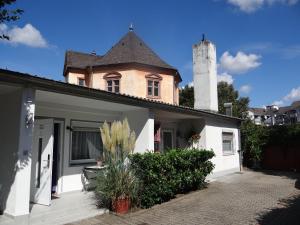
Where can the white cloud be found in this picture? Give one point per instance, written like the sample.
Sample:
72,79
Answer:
247,5
241,63
250,6
28,35
279,103
293,95
245,89
225,77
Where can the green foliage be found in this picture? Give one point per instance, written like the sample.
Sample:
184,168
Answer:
186,96
226,94
254,138
118,181
165,175
284,136
7,15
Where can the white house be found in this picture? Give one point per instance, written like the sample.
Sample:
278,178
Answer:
49,130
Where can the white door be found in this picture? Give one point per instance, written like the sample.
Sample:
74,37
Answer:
41,172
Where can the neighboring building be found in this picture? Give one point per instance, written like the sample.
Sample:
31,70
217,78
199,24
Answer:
50,129
274,115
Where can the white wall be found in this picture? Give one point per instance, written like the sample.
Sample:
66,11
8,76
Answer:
213,136
142,122
15,146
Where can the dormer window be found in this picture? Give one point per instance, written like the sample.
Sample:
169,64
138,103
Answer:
153,85
113,82
113,86
81,82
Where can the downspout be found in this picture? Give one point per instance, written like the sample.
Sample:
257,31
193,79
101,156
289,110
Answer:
240,148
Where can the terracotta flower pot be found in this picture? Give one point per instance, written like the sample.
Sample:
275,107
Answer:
121,205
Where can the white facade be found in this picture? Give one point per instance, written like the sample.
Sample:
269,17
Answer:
205,76
63,108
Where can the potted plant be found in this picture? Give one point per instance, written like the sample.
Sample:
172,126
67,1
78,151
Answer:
117,186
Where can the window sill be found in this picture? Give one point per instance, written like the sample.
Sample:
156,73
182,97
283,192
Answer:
228,154
78,164
153,97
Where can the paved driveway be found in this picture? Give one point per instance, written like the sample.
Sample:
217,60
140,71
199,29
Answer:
248,198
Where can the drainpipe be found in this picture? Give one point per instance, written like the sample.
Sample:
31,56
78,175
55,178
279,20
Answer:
240,149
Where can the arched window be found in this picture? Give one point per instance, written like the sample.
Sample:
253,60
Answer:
113,82
153,85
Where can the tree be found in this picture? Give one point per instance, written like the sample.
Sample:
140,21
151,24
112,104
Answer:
8,15
186,96
226,94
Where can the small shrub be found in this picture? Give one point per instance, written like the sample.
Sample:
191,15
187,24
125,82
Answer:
163,176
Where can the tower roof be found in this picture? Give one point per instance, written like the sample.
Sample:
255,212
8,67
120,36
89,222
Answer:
132,49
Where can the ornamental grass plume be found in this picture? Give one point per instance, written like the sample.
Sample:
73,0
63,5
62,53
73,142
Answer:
118,139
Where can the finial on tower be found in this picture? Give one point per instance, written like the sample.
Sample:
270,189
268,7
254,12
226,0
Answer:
203,37
131,27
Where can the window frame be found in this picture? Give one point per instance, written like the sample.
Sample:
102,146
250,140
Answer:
79,162
153,78
232,152
113,76
81,79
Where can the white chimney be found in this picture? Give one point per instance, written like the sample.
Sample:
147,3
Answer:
205,76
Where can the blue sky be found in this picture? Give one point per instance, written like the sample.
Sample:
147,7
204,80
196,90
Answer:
258,41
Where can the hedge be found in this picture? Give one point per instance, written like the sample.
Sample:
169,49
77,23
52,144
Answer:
165,175
255,138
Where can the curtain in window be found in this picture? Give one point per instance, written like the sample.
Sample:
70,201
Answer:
227,142
86,145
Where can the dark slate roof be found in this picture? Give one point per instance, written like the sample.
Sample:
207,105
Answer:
130,49
258,111
80,60
296,104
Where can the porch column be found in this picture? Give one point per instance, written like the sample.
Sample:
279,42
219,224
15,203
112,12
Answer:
142,122
18,118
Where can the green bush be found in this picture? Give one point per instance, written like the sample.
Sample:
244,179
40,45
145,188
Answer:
256,138
165,175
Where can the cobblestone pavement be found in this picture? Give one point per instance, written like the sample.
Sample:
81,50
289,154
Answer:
248,198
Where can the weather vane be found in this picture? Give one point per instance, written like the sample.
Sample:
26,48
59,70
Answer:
131,27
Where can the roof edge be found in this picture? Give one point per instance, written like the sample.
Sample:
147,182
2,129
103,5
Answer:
47,84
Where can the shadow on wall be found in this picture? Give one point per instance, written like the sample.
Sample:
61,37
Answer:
8,177
10,161
288,210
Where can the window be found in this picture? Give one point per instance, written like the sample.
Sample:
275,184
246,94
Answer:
153,85
113,86
81,82
113,82
227,138
86,143
153,88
